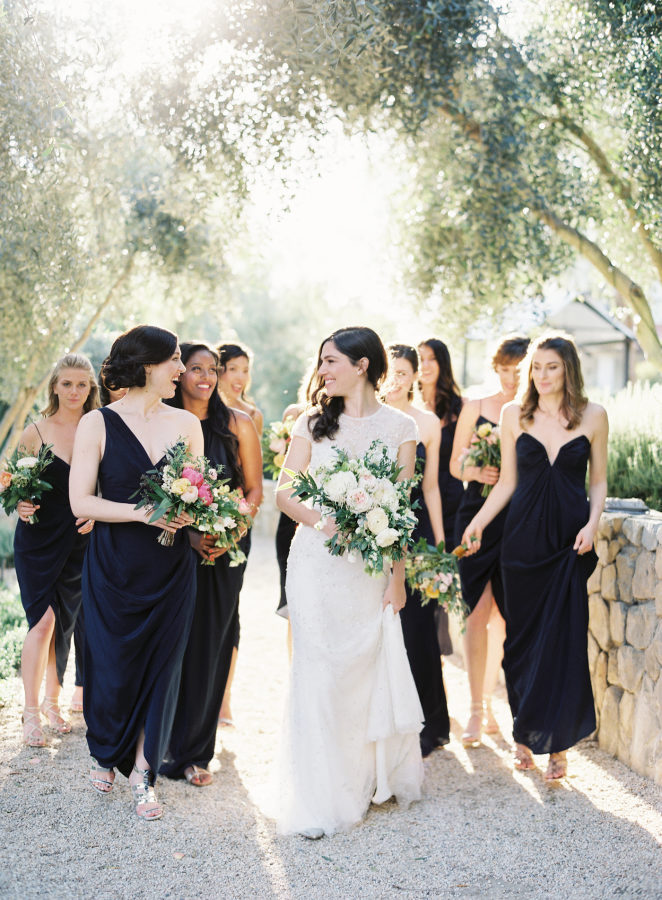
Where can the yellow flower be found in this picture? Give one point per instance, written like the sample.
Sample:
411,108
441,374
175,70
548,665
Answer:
180,486
431,592
279,459
484,430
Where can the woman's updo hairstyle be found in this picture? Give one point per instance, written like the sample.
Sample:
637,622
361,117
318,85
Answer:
355,343
404,351
144,345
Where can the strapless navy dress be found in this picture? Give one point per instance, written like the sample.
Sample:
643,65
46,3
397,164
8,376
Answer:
209,650
139,599
485,566
420,633
48,557
546,606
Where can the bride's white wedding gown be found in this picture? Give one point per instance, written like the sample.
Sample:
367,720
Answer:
353,714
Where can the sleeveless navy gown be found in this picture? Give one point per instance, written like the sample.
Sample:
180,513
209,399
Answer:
420,633
48,557
451,490
139,599
546,606
209,650
485,565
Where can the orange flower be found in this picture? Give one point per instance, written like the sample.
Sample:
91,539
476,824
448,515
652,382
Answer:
5,480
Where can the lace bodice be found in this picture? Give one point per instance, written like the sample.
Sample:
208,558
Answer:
356,434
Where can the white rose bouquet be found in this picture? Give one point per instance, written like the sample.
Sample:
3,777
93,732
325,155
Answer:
275,444
21,478
187,484
371,508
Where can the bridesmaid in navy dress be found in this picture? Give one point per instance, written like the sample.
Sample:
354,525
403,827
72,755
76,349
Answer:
418,620
547,551
139,595
234,381
480,575
233,447
105,397
49,553
441,396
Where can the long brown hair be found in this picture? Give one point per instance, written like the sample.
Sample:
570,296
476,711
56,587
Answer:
355,343
71,361
574,399
447,397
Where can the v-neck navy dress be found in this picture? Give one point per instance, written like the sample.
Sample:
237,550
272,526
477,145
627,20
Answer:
48,556
546,605
139,600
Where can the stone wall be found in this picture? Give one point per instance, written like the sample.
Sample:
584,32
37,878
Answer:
625,636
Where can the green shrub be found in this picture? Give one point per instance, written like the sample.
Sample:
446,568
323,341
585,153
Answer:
13,629
634,465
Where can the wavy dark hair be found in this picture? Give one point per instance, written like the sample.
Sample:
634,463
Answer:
404,351
227,352
144,345
447,397
219,416
355,343
574,399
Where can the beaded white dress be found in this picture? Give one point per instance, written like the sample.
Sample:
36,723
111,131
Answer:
353,716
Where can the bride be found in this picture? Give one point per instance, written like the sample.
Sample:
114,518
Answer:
353,718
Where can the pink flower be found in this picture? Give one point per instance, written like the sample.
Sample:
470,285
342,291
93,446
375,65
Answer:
5,481
204,493
244,507
193,475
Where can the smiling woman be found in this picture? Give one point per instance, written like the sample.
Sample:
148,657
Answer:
138,595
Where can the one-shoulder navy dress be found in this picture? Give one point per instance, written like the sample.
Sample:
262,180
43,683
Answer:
546,606
48,556
485,565
209,650
420,633
139,599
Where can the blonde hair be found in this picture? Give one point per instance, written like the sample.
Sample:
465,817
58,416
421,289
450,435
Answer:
574,399
71,361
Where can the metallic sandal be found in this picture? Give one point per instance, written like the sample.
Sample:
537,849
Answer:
51,709
101,785
144,793
33,735
471,738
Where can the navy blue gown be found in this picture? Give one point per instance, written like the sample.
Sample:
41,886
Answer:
546,606
48,557
451,490
139,599
420,633
284,536
485,565
209,650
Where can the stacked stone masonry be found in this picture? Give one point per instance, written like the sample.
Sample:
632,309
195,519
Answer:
625,638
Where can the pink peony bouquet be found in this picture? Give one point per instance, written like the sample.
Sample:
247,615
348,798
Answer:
484,450
187,484
275,444
21,478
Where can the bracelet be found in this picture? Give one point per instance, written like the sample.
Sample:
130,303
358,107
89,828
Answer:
319,525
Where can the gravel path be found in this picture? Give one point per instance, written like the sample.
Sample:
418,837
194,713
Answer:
482,830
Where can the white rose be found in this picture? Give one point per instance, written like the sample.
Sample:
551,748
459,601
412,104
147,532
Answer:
229,522
367,481
386,494
339,485
377,520
386,537
27,462
219,526
190,495
359,500
212,474
278,445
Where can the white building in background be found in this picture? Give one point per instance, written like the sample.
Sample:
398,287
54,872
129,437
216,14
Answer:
609,350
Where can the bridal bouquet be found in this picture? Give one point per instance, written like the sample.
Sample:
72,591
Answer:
484,450
370,506
275,443
21,478
188,484
434,573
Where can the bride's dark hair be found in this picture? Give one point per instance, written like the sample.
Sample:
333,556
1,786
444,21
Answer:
355,343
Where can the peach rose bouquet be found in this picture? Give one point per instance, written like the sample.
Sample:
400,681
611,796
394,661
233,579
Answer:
21,478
